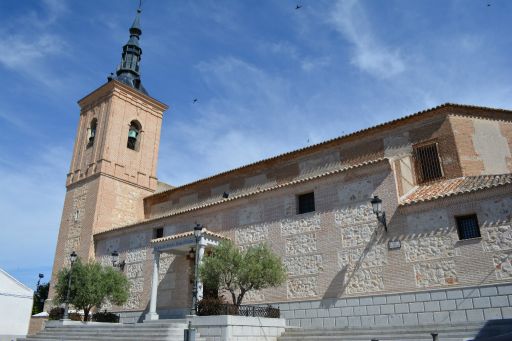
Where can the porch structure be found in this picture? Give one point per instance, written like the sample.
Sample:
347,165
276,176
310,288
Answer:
179,244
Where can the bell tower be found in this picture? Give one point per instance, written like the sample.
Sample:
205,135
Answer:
114,159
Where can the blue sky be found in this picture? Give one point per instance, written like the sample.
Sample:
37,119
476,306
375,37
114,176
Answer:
269,79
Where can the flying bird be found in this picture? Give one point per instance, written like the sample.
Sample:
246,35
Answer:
298,7
194,101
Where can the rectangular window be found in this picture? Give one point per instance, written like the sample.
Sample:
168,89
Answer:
306,203
467,227
427,163
158,233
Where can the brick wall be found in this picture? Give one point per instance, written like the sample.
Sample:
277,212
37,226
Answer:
338,251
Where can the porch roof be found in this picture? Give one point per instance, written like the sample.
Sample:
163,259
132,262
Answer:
182,241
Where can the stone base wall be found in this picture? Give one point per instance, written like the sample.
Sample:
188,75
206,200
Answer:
137,316
131,316
36,325
470,304
237,328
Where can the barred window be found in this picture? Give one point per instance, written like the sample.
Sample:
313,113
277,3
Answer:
467,227
427,163
306,203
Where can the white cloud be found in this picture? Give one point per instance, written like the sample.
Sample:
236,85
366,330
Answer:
370,55
27,51
21,52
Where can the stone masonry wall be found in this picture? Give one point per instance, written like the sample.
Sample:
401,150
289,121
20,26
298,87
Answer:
340,252
435,307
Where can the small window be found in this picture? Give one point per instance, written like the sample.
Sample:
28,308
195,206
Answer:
134,135
158,233
76,215
427,163
306,203
91,132
467,227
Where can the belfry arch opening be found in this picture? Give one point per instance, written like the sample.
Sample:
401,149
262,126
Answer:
91,132
134,135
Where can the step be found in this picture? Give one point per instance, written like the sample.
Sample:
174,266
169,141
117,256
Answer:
454,332
160,330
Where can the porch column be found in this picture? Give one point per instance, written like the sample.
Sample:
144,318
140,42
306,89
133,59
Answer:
152,315
202,245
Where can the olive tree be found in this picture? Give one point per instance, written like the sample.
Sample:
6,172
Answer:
240,271
91,286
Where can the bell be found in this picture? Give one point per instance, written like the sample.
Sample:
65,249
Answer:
132,133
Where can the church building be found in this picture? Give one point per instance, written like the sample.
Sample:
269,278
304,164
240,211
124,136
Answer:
405,223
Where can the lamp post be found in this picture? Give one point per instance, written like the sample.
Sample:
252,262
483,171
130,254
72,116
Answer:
198,232
72,258
41,276
377,209
40,299
115,261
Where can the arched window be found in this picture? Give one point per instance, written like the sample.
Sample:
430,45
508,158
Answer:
133,135
91,132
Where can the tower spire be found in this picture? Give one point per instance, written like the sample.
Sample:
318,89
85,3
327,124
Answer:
128,71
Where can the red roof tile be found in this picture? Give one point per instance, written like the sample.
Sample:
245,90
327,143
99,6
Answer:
449,187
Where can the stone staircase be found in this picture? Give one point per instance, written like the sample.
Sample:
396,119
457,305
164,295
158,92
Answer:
495,330
161,330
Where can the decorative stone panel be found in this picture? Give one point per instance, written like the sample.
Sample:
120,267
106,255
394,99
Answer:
303,265
503,265
354,214
302,225
136,285
364,281
254,296
138,240
75,230
435,274
134,270
247,246
166,260
166,273
105,260
71,245
134,256
302,287
356,258
133,302
301,244
497,238
251,234
358,235
429,248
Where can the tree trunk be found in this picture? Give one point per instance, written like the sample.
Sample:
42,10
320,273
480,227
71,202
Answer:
86,314
233,296
240,297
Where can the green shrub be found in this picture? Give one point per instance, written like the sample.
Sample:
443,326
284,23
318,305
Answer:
75,316
104,316
56,313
